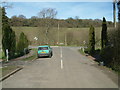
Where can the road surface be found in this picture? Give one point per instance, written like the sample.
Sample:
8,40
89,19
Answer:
66,69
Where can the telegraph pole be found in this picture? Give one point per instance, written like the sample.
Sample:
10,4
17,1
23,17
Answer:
65,39
114,12
58,33
118,4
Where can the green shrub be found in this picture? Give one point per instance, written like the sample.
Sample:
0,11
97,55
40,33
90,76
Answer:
22,45
91,46
106,55
86,50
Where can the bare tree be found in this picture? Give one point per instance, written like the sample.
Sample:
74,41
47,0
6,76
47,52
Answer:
47,15
5,4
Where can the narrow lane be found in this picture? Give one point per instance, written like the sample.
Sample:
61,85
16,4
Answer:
82,73
66,69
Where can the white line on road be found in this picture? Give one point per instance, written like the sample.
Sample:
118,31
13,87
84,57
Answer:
61,52
61,64
61,58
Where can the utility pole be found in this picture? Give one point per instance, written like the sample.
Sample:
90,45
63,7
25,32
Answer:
65,40
58,33
114,12
46,33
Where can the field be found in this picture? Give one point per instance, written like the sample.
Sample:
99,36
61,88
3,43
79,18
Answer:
73,36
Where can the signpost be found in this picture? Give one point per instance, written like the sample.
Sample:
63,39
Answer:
84,42
36,39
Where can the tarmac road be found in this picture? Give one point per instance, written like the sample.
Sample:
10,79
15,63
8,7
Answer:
66,69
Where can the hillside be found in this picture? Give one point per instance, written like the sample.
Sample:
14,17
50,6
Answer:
74,36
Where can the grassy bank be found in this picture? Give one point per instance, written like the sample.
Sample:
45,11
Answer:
74,36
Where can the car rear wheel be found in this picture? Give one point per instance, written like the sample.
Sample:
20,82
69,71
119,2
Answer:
50,55
38,56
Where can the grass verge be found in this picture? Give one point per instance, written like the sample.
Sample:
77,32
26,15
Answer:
6,70
81,51
32,57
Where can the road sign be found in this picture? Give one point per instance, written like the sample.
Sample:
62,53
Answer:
84,42
35,38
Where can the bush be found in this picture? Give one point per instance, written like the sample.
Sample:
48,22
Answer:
106,55
26,51
86,50
22,45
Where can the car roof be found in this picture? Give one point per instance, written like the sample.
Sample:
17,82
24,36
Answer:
44,46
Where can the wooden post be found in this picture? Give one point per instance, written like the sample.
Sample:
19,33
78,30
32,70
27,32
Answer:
58,34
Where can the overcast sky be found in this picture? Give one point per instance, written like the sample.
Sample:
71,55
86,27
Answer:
85,10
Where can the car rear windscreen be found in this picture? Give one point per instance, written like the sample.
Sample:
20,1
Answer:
43,48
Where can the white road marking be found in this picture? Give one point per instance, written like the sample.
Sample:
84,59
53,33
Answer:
61,52
61,64
61,58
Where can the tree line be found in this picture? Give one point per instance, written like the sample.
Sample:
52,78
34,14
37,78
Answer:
37,21
15,47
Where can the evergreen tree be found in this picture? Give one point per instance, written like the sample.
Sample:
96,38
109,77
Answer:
13,44
91,40
104,39
22,43
8,36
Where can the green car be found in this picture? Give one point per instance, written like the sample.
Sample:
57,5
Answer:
44,51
